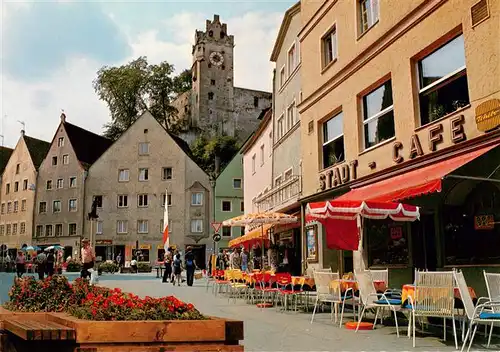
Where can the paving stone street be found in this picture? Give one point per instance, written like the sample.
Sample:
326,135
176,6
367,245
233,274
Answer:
269,330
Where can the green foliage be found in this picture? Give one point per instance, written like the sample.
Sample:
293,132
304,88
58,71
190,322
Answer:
131,89
73,266
205,149
144,267
107,267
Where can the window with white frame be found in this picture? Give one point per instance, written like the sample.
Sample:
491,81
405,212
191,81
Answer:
262,155
48,185
22,228
8,229
72,182
368,14
42,207
143,174
9,207
56,206
378,115
122,226
197,198
290,115
16,206
237,183
333,140
443,86
142,226
60,142
2,211
166,198
280,127
253,164
166,173
123,175
329,46
282,76
23,205
226,205
25,184
197,225
48,230
122,201
142,200
72,204
226,231
14,228
99,228
2,230
65,159
59,183
143,148
58,230
292,59
39,231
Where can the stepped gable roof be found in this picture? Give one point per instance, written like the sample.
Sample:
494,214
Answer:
87,145
37,148
5,154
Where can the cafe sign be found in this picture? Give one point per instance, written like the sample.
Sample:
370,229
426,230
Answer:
484,222
338,175
488,115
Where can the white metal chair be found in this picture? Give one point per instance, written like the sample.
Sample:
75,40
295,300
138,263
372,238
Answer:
493,286
482,313
334,296
370,298
434,297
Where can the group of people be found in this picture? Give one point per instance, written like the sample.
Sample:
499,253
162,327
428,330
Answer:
174,266
45,263
235,259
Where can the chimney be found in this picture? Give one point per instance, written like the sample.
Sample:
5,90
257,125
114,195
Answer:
63,117
22,133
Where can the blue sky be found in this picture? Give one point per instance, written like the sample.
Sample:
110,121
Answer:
50,51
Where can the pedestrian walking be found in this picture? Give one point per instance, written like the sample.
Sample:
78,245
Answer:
177,265
119,260
49,268
41,261
167,275
244,261
88,258
190,265
20,264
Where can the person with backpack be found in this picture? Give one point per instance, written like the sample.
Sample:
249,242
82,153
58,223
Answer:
177,265
190,265
50,263
41,261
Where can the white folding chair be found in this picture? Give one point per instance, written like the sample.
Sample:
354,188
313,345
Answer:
370,298
434,297
482,313
493,286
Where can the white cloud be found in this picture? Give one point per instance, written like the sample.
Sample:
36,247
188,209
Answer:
70,88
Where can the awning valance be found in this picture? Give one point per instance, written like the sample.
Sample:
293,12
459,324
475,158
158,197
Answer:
255,236
425,180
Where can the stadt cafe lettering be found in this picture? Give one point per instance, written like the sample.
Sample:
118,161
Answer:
348,172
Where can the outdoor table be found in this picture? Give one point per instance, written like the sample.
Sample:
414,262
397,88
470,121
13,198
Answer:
345,284
409,291
303,281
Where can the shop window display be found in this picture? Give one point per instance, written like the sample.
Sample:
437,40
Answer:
387,242
471,231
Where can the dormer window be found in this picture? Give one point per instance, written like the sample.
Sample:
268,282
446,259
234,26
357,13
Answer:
222,35
210,33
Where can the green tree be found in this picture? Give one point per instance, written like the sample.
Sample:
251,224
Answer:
206,148
131,89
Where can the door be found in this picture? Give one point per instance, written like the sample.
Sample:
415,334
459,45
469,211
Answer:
424,243
121,251
199,255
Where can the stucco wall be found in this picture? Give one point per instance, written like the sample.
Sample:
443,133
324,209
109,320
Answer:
49,172
256,182
354,73
21,157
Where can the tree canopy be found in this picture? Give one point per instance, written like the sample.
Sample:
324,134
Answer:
131,89
205,149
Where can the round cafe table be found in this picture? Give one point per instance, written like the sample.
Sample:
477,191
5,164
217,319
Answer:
345,284
409,291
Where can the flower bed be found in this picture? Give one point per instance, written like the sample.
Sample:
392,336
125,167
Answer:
90,302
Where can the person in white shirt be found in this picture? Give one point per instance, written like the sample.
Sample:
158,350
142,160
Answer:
133,265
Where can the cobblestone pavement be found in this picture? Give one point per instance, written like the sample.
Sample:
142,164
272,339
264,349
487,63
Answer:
269,330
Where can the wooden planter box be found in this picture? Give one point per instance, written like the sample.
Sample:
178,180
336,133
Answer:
61,332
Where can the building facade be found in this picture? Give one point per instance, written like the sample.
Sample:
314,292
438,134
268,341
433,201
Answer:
214,105
392,89
257,164
146,167
18,192
60,210
286,181
229,199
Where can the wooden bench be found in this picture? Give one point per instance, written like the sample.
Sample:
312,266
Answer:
30,330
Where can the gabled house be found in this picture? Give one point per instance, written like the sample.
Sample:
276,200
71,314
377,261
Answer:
146,167
18,191
60,209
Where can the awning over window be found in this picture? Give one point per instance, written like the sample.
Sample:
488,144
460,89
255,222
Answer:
255,236
415,183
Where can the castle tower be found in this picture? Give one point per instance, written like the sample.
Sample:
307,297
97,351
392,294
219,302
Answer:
212,95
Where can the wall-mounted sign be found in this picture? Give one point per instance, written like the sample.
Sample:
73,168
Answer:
488,115
312,243
457,135
103,242
484,222
338,176
396,233
145,246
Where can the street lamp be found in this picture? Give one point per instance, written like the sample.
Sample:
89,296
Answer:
213,182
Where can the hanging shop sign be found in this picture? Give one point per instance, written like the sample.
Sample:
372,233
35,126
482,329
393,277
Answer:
435,137
338,176
488,115
103,242
484,222
145,246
